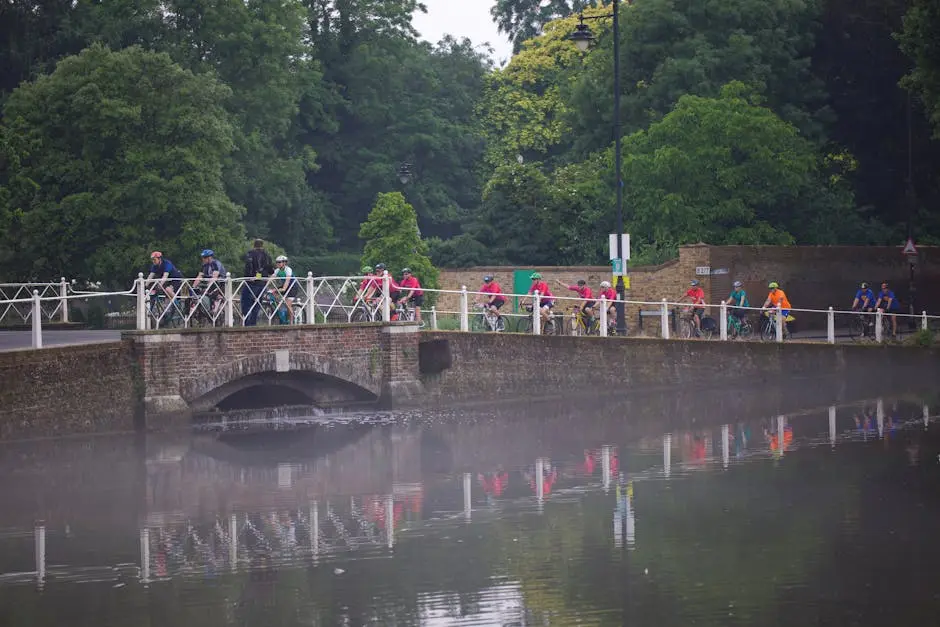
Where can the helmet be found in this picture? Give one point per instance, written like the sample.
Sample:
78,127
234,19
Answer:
535,275
738,284
366,269
582,282
208,252
156,254
694,282
773,285
380,266
406,270
864,285
605,283
281,258
487,279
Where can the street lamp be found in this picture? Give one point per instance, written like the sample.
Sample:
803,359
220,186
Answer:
582,37
404,173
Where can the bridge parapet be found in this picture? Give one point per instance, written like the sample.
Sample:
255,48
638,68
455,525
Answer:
193,369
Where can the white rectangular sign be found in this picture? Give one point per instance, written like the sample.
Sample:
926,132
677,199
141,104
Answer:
613,246
702,271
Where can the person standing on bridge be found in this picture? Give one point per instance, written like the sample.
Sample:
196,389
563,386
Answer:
258,267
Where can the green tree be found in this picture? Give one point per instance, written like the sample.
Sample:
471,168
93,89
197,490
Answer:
918,40
391,237
522,20
727,171
125,150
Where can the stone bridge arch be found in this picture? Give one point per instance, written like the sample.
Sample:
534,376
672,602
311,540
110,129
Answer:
300,371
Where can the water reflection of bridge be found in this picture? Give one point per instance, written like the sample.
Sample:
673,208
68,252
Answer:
300,519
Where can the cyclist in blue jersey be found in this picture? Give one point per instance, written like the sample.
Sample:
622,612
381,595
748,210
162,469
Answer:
888,303
864,298
212,271
170,277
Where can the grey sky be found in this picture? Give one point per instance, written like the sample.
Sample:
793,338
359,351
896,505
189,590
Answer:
462,18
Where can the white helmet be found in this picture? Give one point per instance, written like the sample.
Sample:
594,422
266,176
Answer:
605,283
280,258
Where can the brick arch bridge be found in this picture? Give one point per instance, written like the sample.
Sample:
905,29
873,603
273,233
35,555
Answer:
194,369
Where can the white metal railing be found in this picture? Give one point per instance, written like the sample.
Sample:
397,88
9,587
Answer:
229,301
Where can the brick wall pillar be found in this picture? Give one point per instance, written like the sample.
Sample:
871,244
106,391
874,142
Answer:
399,348
157,376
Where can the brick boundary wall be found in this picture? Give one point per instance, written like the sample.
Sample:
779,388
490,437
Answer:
66,390
814,277
489,366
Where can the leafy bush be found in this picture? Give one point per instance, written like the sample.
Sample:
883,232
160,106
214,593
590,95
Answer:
923,338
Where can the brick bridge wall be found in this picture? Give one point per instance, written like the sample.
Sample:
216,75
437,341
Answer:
194,369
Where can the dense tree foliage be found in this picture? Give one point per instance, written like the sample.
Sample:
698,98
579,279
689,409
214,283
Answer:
392,237
806,121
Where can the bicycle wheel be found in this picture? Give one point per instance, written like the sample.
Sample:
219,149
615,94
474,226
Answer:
478,323
857,327
746,329
768,331
575,326
686,329
500,324
549,328
525,325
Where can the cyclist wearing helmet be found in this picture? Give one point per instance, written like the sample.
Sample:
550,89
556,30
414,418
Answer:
170,277
889,304
368,286
409,290
864,298
738,301
608,292
696,296
546,298
212,270
491,295
283,284
586,305
775,297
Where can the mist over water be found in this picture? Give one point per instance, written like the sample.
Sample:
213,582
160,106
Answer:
552,513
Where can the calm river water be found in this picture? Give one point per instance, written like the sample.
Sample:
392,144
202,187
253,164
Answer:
823,517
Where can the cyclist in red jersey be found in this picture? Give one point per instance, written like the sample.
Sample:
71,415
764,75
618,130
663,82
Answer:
586,305
491,295
546,298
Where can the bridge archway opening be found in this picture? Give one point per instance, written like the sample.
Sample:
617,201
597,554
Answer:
267,390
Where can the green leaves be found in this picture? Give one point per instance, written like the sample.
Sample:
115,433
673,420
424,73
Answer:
126,150
391,237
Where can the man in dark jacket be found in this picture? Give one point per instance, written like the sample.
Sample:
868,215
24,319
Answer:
258,267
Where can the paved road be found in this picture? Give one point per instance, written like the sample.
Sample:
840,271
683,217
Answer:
17,340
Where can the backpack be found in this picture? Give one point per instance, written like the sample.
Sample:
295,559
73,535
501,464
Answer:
257,261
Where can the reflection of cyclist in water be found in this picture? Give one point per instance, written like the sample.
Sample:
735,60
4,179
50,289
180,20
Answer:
493,484
864,424
773,439
549,476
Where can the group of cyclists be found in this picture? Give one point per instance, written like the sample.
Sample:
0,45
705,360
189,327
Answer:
207,288
403,292
867,301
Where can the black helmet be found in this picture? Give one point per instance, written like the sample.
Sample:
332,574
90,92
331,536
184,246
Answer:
380,266
582,282
488,278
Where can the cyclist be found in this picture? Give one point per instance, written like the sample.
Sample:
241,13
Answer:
546,298
170,277
608,293
587,303
696,296
283,285
212,270
368,286
888,303
491,295
738,302
777,297
412,292
864,298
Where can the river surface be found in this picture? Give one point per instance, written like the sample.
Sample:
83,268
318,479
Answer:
821,517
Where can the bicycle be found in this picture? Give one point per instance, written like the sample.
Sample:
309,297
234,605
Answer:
363,312
579,326
273,307
687,326
204,309
165,315
768,330
739,328
862,326
406,313
548,326
487,321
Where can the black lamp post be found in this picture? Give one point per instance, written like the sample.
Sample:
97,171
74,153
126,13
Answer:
582,37
404,173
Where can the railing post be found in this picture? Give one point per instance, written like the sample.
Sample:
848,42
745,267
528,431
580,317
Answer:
434,317
63,301
604,316
664,319
141,303
37,320
831,326
386,297
878,318
536,314
723,323
229,304
310,305
923,320
464,317
779,314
